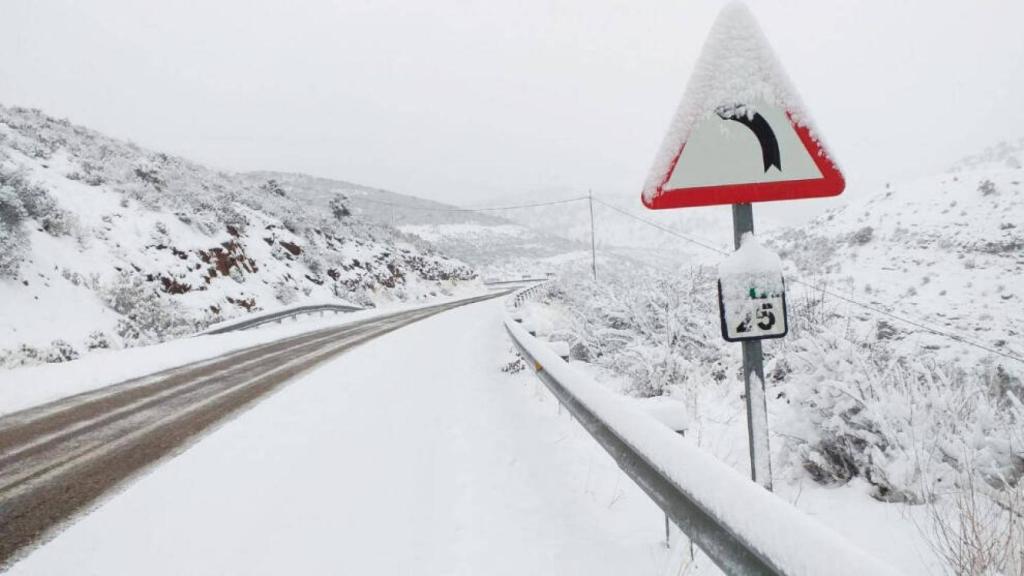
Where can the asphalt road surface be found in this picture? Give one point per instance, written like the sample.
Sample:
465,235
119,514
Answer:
56,460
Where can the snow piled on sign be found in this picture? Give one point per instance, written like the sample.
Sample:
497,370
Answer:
752,266
736,67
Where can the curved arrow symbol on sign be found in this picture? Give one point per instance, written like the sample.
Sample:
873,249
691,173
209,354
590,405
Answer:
761,129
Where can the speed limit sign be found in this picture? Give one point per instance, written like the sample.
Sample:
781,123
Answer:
752,294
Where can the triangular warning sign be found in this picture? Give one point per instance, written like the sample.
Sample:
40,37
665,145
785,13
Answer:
741,133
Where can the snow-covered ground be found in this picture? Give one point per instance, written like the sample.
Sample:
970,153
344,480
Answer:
411,454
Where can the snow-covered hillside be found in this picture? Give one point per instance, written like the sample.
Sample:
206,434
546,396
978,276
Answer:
947,250
105,244
857,396
485,239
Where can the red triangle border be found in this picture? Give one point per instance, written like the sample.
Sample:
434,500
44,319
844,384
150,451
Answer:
831,183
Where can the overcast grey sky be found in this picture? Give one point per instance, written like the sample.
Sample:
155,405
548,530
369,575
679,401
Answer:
470,101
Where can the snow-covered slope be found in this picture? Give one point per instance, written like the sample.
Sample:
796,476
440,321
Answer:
104,244
947,250
484,239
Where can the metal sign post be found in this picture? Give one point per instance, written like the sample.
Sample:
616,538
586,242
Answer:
753,375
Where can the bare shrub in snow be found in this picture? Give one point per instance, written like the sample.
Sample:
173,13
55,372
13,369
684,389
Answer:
885,330
515,365
808,309
974,533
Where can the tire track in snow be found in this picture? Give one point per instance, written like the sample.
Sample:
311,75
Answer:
59,459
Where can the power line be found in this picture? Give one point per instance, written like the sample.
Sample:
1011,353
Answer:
480,209
912,322
593,241
823,290
663,228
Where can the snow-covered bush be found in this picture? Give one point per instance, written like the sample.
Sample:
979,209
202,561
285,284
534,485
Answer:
20,199
12,237
98,340
24,355
862,236
285,291
272,186
147,316
655,328
338,208
897,421
40,206
843,406
60,351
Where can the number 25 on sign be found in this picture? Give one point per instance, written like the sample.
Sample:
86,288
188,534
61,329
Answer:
754,315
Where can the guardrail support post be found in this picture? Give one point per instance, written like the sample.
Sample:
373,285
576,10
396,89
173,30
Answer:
668,541
593,242
753,376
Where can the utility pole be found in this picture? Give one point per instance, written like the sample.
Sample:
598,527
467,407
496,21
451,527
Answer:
593,246
753,375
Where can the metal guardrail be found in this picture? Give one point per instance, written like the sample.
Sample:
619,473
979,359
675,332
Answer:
510,282
281,315
525,294
729,543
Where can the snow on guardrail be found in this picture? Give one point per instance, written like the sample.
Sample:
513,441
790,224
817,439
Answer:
255,320
743,528
247,322
514,281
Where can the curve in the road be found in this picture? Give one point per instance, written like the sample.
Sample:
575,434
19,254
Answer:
56,460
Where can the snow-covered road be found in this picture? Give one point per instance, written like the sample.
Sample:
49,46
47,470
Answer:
411,454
